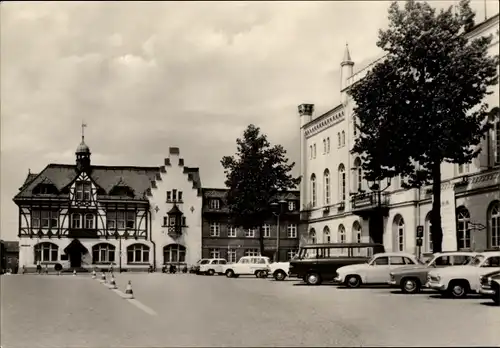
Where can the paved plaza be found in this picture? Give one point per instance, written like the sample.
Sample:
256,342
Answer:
189,310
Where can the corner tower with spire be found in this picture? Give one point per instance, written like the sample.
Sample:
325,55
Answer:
346,68
83,154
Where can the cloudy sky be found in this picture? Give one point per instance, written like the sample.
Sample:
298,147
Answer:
149,75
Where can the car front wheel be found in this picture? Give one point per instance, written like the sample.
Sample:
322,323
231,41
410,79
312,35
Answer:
230,273
353,281
410,286
279,275
211,272
458,289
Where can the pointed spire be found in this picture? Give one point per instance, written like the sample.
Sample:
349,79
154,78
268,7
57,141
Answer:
83,131
347,54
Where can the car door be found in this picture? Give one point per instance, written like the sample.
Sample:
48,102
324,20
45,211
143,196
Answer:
378,270
220,266
214,265
460,260
242,266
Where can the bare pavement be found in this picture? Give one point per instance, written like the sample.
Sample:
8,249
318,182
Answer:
189,310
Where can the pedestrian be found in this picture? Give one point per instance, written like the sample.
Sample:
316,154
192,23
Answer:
46,269
172,269
38,267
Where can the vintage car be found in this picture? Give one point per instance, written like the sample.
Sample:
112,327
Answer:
376,270
212,266
248,265
411,278
316,263
490,286
460,281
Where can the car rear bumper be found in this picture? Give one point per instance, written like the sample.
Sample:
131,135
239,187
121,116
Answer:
486,291
392,283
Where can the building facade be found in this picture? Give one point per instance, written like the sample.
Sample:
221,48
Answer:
84,215
337,204
221,239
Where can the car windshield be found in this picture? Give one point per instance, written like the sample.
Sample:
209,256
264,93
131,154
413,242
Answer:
477,260
204,262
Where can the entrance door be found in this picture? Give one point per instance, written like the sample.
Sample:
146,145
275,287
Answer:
75,251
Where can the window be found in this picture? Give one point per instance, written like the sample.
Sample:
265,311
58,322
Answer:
326,176
171,220
381,261
493,261
292,205
327,238
250,233
312,236
460,260
310,151
214,253
400,232
314,150
179,196
174,253
328,145
169,196
103,252
291,253
428,233
89,221
231,255
231,231
356,232
138,253
76,220
214,204
342,179
251,252
354,125
463,231
324,146
358,175
494,225
340,141
397,260
497,142
130,219
408,261
443,261
46,252
291,231
313,190
342,234
83,191
214,229
266,228
343,138
44,218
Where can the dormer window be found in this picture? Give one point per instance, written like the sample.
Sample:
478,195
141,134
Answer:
169,196
83,191
45,189
174,195
292,205
214,204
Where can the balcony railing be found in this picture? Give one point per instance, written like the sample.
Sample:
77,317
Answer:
369,201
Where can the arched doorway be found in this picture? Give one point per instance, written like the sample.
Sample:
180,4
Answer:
174,253
75,251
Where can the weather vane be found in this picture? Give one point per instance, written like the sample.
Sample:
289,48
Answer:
83,130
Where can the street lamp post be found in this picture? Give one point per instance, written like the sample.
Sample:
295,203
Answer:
277,206
375,187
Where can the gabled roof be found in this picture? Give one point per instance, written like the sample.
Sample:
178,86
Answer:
137,178
221,194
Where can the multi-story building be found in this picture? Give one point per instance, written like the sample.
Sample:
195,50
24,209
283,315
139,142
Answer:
221,239
337,204
88,215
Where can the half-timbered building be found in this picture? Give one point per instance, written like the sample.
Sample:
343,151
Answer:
85,215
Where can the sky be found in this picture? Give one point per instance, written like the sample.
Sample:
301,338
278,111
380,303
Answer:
145,76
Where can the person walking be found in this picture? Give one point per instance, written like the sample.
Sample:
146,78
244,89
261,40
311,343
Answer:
39,267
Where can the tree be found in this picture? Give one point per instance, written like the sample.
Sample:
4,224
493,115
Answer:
254,176
422,105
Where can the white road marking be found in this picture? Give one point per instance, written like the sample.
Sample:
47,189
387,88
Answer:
136,303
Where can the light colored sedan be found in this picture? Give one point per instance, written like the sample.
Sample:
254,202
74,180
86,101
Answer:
376,271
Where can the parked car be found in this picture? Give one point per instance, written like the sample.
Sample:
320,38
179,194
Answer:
248,265
460,281
196,267
316,263
279,270
413,277
490,286
376,270
212,266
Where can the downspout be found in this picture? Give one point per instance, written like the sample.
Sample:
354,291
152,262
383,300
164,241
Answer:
151,240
